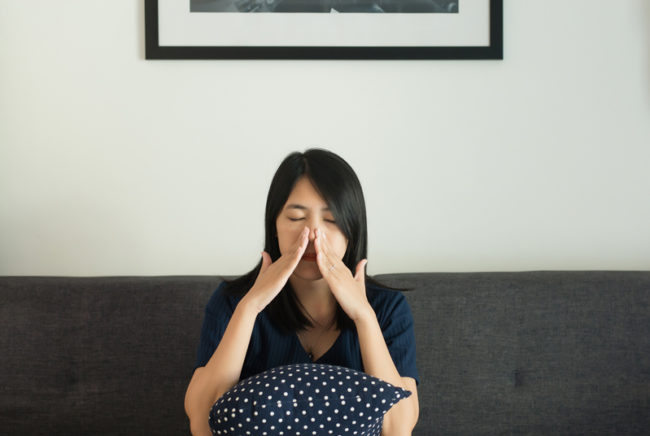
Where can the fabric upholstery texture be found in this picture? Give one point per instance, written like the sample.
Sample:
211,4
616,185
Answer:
305,399
498,353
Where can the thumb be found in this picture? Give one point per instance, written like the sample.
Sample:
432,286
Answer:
360,276
266,262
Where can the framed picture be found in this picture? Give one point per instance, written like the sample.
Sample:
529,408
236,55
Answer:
324,29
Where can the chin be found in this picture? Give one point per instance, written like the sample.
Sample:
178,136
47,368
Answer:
308,272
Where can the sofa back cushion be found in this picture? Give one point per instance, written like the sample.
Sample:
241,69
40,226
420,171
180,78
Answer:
110,355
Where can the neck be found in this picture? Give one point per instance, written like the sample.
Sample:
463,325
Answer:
316,298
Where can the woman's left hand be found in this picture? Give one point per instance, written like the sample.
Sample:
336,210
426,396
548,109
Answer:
349,291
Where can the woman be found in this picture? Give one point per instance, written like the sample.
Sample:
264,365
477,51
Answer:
309,299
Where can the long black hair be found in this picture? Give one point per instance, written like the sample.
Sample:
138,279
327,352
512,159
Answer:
339,186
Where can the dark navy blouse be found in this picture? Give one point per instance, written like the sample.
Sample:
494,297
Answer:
269,347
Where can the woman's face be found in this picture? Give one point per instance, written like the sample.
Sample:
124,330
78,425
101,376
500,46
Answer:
306,208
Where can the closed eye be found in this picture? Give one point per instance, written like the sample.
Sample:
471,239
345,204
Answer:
300,219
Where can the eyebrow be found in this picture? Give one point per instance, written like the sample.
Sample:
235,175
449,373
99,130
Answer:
301,207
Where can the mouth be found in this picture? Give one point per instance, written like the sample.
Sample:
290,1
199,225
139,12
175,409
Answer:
310,257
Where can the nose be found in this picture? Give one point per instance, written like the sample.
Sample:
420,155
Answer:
312,233
313,223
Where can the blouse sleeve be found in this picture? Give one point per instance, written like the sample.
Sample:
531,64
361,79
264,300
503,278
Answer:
217,315
396,323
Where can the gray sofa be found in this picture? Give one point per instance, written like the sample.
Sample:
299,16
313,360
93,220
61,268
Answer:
535,353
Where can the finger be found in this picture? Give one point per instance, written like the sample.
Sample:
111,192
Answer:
321,244
320,255
326,263
330,255
360,272
323,241
266,262
299,248
302,241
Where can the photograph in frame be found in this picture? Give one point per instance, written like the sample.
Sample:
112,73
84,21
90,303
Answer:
323,29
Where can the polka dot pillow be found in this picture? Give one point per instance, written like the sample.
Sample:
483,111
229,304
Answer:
303,400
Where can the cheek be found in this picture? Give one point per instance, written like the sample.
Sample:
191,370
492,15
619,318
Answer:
287,235
339,244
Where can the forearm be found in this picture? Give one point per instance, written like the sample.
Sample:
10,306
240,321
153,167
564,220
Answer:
377,361
222,370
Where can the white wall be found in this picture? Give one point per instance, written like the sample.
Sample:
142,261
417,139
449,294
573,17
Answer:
113,165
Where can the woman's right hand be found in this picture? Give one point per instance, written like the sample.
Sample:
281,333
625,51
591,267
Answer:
274,275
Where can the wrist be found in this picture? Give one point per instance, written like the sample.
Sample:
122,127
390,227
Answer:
248,307
365,316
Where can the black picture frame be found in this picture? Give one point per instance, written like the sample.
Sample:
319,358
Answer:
494,50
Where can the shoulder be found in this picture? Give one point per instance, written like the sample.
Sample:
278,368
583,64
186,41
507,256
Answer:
386,302
222,300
